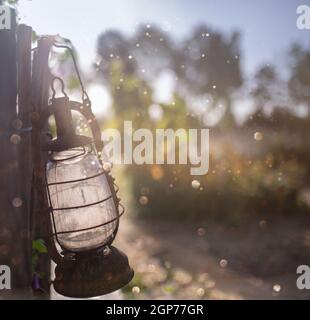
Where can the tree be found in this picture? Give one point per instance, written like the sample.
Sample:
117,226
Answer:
152,49
263,91
112,47
209,62
299,82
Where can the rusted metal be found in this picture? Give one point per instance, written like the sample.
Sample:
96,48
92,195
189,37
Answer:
94,275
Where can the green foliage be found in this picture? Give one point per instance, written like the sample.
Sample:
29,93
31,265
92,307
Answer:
299,82
236,190
38,248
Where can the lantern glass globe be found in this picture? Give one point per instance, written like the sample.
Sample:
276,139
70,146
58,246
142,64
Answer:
82,201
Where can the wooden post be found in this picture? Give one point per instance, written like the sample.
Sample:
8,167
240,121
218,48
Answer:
23,123
41,79
15,241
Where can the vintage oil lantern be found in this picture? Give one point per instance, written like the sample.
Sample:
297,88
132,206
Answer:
78,201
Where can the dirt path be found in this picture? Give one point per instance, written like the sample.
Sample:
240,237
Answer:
174,261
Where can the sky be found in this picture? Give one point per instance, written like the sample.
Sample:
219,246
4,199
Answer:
268,27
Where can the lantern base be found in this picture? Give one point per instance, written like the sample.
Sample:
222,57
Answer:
94,275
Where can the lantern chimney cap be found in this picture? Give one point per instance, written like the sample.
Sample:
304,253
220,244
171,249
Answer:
66,136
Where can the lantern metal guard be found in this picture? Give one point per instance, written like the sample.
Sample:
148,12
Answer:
101,269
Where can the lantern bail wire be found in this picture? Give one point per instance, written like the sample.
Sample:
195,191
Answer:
78,197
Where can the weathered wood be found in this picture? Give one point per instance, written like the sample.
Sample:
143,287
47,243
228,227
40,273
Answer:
14,237
41,74
41,78
24,39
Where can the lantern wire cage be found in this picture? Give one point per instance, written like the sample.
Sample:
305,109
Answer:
105,226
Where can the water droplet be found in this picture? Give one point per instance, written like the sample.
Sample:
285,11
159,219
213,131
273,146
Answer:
143,200
135,290
17,202
214,86
200,292
129,57
195,184
15,138
258,136
223,263
276,288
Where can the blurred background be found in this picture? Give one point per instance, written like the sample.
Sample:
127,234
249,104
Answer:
241,69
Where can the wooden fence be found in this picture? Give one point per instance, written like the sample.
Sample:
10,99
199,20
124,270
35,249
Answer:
23,90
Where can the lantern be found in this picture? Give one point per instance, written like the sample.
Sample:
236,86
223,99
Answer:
77,197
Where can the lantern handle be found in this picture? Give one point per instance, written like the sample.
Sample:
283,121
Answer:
85,97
